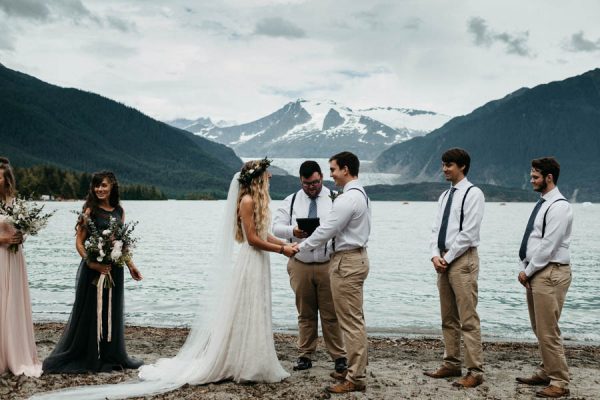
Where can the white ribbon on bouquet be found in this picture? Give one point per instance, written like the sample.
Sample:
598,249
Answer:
99,304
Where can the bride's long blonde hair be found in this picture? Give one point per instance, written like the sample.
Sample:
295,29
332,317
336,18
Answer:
254,181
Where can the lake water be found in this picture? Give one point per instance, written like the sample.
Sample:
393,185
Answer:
176,244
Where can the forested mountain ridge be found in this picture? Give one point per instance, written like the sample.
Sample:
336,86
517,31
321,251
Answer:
560,119
76,130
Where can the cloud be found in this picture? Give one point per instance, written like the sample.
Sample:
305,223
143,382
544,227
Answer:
485,37
354,74
579,43
370,18
120,24
108,49
6,41
31,9
278,27
73,10
413,24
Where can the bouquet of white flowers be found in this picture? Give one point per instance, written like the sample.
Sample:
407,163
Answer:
25,216
114,245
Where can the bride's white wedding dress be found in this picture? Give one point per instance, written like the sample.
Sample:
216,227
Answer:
234,343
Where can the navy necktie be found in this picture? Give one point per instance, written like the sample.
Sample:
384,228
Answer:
529,229
312,208
444,226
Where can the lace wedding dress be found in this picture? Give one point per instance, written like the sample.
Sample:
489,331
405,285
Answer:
234,343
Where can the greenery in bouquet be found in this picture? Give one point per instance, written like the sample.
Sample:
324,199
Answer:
113,245
26,216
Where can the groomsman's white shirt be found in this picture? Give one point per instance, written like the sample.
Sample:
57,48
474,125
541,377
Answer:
554,247
349,221
282,228
459,242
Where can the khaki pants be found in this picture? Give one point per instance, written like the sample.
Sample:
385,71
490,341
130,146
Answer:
458,302
545,301
349,269
310,283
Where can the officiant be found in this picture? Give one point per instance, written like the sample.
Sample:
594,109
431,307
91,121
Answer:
309,269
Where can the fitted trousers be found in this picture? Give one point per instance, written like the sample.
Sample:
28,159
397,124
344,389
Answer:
311,285
458,305
545,299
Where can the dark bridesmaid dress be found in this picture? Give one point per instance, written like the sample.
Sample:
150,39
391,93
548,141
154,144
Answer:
77,350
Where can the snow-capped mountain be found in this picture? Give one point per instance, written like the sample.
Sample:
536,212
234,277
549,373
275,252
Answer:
418,122
197,125
320,128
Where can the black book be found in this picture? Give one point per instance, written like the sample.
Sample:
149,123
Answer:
308,225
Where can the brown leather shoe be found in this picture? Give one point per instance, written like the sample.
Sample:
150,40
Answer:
469,381
552,392
346,387
443,372
534,380
339,376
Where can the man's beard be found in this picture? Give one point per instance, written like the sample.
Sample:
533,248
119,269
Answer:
542,187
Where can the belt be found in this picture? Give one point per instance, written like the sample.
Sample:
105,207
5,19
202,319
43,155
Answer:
312,263
558,264
357,250
444,252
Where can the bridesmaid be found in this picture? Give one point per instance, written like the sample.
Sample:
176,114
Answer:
78,350
18,353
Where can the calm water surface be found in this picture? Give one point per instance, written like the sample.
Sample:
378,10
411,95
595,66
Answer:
177,241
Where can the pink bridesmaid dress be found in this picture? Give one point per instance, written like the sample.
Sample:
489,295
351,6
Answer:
18,353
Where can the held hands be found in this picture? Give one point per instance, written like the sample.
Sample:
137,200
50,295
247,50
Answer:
299,233
101,268
439,264
290,249
524,279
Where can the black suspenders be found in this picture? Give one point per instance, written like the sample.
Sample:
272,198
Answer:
546,213
462,206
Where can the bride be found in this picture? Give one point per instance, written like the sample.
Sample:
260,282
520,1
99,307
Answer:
236,343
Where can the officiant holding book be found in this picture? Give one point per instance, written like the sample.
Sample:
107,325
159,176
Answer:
295,220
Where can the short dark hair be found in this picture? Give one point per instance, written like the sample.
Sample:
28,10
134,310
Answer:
308,168
546,166
347,159
458,156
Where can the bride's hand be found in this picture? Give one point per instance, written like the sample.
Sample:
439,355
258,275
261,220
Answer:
290,250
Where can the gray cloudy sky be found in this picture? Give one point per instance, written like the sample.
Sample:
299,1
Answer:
239,60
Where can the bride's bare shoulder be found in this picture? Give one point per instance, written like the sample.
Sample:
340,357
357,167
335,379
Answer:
246,201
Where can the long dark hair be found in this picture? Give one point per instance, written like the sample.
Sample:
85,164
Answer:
10,186
91,200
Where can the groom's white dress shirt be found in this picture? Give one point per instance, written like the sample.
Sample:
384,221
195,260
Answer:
349,221
554,246
457,242
282,228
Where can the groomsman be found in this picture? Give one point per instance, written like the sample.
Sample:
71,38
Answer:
348,225
546,275
454,241
309,269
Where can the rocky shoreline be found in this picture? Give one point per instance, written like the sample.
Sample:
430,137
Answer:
395,370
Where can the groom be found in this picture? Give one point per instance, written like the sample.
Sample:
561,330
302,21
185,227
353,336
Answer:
348,225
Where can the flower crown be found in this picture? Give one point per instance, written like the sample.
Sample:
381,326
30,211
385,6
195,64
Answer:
260,166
